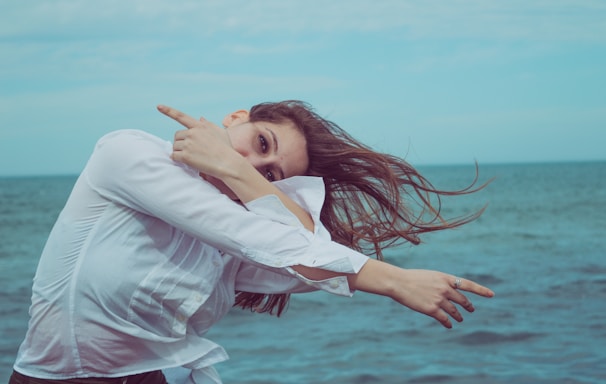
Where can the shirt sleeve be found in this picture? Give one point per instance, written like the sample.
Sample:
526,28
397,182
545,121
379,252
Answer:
251,278
308,192
134,169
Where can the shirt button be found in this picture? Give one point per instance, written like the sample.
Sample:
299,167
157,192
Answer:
334,284
198,297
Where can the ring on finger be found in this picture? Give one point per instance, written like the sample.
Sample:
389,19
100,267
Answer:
457,283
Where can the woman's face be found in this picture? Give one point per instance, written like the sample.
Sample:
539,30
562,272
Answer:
277,151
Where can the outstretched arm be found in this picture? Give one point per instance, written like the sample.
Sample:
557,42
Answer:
431,293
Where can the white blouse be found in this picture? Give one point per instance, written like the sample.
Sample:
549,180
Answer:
145,257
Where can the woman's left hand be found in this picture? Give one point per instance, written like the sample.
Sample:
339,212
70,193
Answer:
431,293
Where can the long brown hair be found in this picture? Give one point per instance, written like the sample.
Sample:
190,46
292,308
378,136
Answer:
373,200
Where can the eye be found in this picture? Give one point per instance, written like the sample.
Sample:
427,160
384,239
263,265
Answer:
269,175
263,143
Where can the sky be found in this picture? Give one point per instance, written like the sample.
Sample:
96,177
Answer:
436,82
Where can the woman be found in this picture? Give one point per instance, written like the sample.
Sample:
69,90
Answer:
146,256
370,197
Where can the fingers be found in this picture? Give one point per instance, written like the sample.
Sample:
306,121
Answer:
454,296
446,308
179,139
460,299
442,314
181,134
443,311
178,116
445,321
451,310
471,286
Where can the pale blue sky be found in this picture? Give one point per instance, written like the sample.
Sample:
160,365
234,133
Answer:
440,82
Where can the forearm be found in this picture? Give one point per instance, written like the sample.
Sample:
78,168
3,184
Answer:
248,184
207,148
375,277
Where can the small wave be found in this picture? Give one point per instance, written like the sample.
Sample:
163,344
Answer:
484,278
432,379
580,288
365,378
528,235
487,337
592,269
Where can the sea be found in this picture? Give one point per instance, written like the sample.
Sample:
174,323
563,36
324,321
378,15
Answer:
540,245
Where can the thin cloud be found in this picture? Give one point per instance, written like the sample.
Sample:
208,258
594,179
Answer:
568,20
270,49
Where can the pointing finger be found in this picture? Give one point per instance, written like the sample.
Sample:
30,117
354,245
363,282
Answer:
180,117
473,287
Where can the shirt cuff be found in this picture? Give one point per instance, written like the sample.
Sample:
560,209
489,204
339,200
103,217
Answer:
336,285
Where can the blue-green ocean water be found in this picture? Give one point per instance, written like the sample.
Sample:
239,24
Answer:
540,246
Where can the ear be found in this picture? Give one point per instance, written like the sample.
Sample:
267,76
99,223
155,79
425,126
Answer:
237,117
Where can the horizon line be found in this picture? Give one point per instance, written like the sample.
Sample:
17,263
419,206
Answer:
426,165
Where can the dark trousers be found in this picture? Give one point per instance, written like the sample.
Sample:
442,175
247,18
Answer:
155,377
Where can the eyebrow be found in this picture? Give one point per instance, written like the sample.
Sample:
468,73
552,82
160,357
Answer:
275,139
